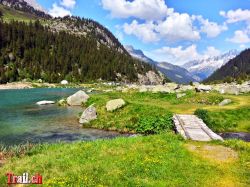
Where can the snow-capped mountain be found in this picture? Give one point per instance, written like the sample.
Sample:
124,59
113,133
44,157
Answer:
173,72
206,67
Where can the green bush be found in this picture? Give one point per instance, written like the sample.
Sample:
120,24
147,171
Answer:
154,124
204,115
216,124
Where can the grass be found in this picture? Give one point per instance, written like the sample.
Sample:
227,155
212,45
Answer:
162,159
228,118
156,160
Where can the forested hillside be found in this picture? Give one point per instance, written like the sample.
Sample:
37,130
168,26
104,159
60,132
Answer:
32,51
236,69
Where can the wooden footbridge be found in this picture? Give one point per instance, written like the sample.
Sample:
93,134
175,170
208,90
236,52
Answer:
193,128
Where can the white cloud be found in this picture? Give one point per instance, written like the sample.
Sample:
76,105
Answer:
238,15
240,37
243,46
142,9
211,52
211,29
178,27
145,31
180,55
68,3
58,11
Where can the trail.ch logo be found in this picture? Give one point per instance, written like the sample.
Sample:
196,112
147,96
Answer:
24,179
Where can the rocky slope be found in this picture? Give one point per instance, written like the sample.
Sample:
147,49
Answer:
205,67
27,7
90,31
173,72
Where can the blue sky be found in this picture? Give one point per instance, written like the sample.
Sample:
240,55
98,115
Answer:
174,31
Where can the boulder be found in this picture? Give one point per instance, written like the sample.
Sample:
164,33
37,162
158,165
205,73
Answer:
64,82
203,88
180,95
230,89
115,104
78,98
88,115
225,102
45,102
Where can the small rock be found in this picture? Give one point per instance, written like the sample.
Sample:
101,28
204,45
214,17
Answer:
88,115
64,82
45,102
78,98
225,102
180,95
115,104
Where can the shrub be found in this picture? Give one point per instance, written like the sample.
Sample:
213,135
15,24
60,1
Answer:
204,115
154,124
211,119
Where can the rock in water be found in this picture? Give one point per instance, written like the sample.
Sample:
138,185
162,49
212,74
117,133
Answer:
88,115
225,102
78,98
45,102
115,104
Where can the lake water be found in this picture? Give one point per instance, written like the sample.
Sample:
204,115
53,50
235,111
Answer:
21,120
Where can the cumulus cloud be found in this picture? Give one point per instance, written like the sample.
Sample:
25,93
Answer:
145,32
180,55
240,37
159,22
142,9
177,27
68,3
211,29
58,11
238,15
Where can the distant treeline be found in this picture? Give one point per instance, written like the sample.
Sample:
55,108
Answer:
237,69
31,51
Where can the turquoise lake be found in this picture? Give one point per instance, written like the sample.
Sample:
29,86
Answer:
21,120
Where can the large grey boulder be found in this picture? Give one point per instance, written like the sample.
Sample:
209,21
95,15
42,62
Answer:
230,89
115,104
78,98
88,115
203,88
225,102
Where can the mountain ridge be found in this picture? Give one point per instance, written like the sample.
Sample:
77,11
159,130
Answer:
173,72
236,68
205,67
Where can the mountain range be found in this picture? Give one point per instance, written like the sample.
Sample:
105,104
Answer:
203,68
174,73
237,68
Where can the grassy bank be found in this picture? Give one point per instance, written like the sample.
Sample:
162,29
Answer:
156,160
145,108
